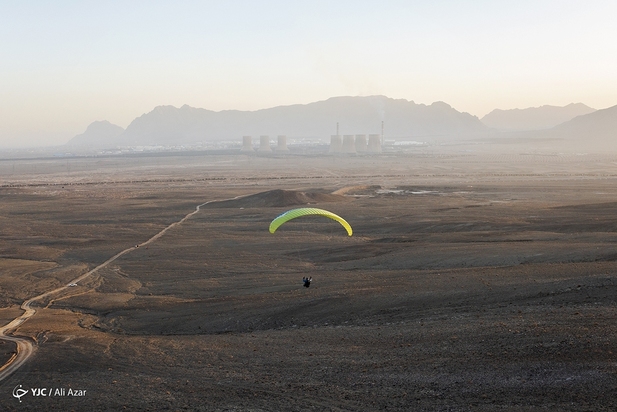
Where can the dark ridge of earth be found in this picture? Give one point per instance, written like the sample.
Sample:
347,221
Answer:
279,198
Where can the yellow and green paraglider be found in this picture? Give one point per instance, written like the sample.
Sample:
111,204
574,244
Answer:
305,211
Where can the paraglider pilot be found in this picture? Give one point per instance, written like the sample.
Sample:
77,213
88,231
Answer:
307,281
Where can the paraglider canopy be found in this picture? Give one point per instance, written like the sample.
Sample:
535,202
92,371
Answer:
304,211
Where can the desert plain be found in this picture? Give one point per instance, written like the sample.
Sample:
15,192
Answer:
472,282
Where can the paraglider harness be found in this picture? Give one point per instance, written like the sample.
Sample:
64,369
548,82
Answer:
307,281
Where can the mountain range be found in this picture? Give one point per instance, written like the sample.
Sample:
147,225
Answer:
168,125
594,130
534,118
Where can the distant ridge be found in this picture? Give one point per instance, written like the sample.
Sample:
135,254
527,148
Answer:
534,118
597,130
168,125
97,133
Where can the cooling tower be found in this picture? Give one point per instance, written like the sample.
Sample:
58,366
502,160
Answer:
264,144
336,144
247,144
349,143
374,143
282,146
360,143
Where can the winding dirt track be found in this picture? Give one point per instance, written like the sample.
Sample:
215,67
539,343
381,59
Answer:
25,346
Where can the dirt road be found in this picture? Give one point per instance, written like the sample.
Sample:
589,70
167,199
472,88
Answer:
25,347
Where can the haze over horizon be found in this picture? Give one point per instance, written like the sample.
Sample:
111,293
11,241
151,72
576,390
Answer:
65,64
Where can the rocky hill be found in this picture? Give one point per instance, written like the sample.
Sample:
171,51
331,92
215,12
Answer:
597,130
534,118
99,133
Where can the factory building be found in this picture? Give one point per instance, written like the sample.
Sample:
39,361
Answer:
247,144
374,143
264,144
349,144
282,144
361,143
336,143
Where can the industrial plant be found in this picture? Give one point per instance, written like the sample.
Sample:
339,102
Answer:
339,144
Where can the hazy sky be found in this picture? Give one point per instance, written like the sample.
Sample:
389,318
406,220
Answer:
65,64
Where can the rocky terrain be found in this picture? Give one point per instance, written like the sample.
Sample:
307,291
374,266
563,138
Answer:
471,282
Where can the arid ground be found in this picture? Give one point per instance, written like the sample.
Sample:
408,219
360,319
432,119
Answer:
473,282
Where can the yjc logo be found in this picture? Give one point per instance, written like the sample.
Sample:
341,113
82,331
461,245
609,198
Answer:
18,392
